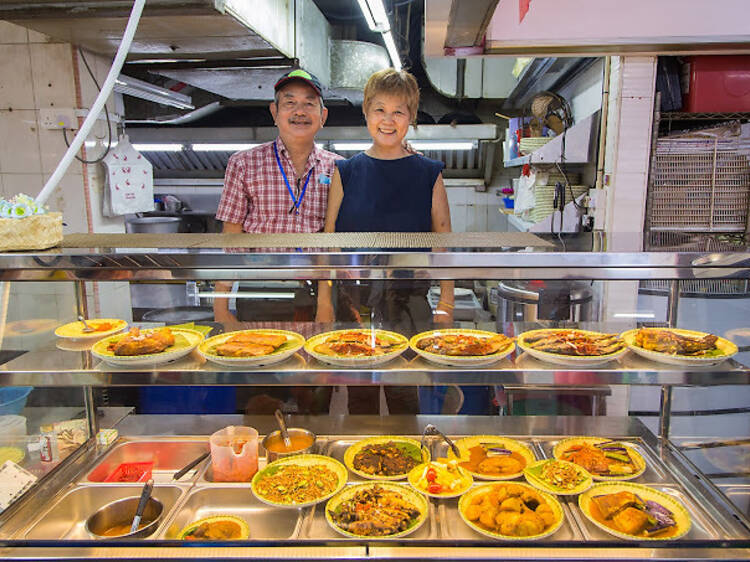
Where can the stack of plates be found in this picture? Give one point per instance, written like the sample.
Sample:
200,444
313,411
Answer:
544,198
530,144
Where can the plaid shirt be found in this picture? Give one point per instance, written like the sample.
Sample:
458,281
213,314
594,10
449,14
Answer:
256,196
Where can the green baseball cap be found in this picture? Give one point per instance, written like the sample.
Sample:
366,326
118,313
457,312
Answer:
299,74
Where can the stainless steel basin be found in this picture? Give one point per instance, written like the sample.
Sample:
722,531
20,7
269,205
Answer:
265,522
168,457
66,519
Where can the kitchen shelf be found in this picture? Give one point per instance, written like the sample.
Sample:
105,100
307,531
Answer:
578,143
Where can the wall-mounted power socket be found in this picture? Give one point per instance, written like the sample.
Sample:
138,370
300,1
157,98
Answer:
58,118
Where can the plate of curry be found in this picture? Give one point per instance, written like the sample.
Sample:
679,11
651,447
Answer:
389,457
251,348
604,459
511,511
634,511
356,348
493,457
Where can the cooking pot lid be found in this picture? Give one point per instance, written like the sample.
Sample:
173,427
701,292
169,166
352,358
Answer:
580,292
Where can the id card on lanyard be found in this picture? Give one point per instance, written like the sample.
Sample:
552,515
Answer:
296,201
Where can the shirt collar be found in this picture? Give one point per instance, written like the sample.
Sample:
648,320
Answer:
315,156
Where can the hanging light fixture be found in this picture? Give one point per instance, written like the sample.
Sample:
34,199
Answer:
377,20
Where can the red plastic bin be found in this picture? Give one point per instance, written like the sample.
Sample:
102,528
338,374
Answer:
131,472
717,84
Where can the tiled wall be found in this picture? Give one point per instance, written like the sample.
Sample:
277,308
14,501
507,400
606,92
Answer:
38,72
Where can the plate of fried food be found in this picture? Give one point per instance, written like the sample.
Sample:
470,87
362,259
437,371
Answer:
251,348
101,328
387,457
561,478
635,512
299,481
604,459
356,348
679,347
492,457
572,347
377,510
462,348
151,346
511,511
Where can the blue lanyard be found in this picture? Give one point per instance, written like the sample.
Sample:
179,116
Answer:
296,202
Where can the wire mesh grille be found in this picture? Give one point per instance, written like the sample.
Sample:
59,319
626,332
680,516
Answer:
699,185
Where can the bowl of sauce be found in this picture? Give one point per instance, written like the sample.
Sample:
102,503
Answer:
302,443
114,519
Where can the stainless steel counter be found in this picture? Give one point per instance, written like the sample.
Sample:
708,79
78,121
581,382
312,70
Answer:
719,530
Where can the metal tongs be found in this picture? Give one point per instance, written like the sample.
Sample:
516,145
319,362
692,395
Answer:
430,429
86,328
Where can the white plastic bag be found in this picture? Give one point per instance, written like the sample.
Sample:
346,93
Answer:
524,195
129,184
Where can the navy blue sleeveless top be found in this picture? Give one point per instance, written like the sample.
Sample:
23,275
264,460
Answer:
387,195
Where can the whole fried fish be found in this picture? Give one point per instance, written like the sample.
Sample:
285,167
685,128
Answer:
575,342
463,344
667,341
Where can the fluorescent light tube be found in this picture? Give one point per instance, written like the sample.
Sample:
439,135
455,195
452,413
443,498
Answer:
375,14
147,91
222,147
246,295
351,145
158,147
634,315
443,145
390,46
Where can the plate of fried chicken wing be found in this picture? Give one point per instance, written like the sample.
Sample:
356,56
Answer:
146,347
679,347
251,348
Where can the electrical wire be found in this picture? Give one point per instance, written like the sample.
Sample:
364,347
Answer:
106,114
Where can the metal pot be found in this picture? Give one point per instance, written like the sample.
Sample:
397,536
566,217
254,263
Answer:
121,512
276,436
153,225
179,314
530,301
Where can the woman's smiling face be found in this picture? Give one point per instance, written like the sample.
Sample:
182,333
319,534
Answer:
388,120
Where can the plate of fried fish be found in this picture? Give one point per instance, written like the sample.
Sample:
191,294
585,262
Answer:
679,347
571,347
152,346
251,348
635,512
356,348
604,459
459,348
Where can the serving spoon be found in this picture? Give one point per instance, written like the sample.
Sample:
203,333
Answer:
145,495
86,328
282,427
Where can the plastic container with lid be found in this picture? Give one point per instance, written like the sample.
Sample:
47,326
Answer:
234,454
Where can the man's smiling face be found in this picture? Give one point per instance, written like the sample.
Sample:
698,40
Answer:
297,112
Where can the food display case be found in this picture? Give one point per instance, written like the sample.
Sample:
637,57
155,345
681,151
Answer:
52,500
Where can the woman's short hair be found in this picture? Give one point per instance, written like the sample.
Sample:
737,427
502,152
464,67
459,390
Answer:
394,83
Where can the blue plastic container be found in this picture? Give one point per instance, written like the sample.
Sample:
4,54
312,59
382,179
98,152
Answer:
13,399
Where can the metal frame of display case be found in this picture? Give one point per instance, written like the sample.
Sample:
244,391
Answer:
80,370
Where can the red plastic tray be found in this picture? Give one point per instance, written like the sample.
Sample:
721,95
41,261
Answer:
131,472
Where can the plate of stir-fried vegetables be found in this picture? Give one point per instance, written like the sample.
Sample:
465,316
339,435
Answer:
299,481
604,459
558,477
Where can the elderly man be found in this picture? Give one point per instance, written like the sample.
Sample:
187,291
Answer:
280,186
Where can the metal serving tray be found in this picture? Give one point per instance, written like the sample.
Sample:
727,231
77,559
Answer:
316,526
656,472
703,525
168,457
66,519
453,527
265,522
739,495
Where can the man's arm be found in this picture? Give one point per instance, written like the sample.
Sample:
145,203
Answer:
335,196
441,222
221,305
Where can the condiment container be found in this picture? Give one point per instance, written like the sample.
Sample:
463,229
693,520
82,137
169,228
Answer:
48,449
120,514
296,434
234,454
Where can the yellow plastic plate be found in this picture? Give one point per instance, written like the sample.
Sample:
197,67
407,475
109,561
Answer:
74,330
401,343
461,360
568,360
352,451
638,460
531,473
467,443
185,342
294,343
727,348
